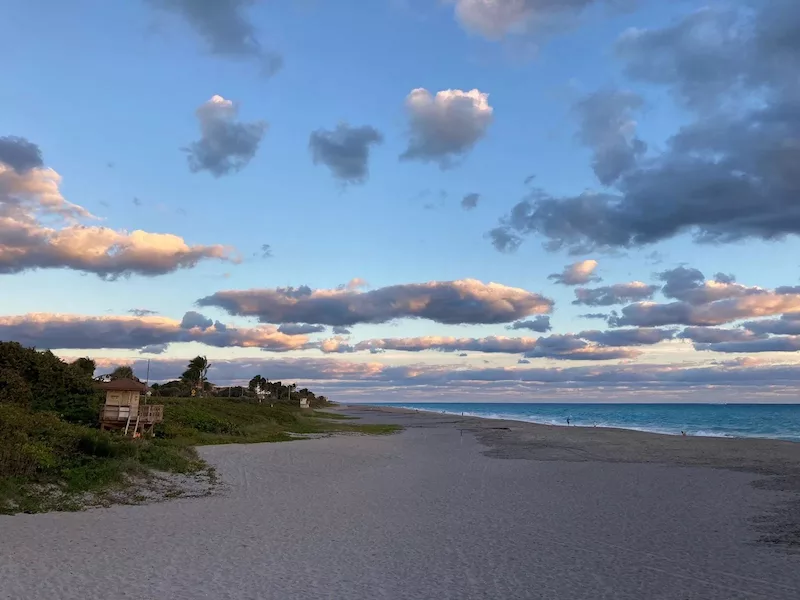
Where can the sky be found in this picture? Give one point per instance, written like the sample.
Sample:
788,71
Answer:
410,200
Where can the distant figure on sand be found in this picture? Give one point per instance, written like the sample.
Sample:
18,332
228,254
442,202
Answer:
683,433
567,420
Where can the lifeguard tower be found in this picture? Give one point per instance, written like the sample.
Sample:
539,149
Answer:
124,409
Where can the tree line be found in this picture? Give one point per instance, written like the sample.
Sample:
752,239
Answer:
39,380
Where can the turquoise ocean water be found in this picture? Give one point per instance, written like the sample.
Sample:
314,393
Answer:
778,421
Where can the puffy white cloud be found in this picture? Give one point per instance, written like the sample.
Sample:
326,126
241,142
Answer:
445,127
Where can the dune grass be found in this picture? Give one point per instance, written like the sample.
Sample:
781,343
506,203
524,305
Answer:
47,463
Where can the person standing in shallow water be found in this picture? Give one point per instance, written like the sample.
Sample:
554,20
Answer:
567,420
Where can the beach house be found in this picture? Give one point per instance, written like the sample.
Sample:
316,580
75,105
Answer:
125,408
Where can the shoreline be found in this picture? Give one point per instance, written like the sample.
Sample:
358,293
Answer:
675,433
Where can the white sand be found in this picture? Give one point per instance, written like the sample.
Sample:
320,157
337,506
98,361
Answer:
422,514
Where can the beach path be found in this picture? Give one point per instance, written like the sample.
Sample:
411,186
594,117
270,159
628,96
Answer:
422,514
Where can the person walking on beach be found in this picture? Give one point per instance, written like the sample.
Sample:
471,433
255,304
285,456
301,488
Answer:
567,420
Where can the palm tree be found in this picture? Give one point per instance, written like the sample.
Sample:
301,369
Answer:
195,373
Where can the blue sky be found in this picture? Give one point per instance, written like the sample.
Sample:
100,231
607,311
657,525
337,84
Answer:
109,94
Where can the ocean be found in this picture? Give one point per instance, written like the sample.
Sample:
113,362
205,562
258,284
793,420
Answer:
776,421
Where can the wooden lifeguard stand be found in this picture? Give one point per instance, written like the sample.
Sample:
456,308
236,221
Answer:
124,409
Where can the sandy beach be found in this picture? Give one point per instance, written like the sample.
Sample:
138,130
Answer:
451,507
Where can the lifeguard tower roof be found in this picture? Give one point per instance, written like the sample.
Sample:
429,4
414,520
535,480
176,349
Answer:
122,385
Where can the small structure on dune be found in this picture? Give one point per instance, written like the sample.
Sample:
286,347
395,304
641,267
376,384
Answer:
123,408
304,402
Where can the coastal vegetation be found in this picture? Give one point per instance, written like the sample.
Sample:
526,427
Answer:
54,457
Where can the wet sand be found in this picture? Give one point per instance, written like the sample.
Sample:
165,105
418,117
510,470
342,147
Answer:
449,508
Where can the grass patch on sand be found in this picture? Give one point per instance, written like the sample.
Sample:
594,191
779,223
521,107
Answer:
47,463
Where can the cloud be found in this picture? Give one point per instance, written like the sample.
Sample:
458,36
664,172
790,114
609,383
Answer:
142,312
523,361
788,343
40,229
571,347
644,336
345,150
651,314
154,349
44,330
608,128
225,145
690,286
194,319
449,302
336,345
716,335
540,324
99,250
340,330
225,29
577,273
782,326
136,201
618,293
445,127
729,173
574,380
470,201
603,316
587,345
491,344
20,154
504,239
300,328
495,19
266,251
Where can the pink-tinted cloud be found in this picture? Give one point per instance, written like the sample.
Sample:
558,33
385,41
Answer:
689,285
571,347
651,314
451,344
44,330
577,273
40,229
335,374
448,302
